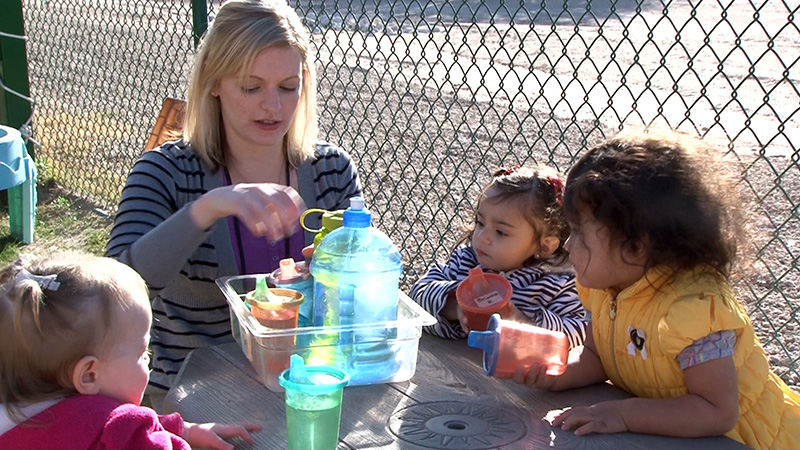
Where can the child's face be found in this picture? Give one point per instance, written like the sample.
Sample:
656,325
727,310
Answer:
598,263
123,371
502,239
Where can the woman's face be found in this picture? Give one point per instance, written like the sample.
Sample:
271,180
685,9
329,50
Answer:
258,109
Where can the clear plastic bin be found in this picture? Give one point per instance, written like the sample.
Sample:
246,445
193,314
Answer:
371,353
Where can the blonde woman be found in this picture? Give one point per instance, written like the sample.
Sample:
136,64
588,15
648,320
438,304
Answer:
226,199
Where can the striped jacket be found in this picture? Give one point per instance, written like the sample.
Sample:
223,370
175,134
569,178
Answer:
154,234
545,294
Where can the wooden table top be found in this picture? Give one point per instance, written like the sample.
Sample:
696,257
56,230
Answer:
449,403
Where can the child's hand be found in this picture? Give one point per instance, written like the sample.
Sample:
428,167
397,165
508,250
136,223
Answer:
534,376
211,435
462,319
513,314
604,417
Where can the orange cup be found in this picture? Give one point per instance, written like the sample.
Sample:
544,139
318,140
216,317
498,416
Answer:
277,350
277,314
509,345
482,294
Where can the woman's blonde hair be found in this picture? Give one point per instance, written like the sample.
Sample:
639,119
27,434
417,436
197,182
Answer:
53,312
239,32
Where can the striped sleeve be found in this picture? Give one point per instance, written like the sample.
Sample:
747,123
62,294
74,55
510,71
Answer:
551,302
432,290
335,177
152,230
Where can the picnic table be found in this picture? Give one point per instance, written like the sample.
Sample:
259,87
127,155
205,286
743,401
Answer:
448,404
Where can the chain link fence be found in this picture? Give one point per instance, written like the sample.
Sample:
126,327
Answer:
431,96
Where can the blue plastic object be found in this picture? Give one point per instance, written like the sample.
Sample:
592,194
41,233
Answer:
18,175
489,342
356,270
12,158
297,369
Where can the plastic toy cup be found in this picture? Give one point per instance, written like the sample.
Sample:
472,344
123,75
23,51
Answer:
482,294
281,313
295,275
508,345
313,404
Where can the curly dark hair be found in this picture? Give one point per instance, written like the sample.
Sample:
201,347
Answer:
661,192
538,192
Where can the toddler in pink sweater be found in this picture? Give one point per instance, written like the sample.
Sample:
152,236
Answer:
74,336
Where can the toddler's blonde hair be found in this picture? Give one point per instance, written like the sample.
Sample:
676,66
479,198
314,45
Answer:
54,311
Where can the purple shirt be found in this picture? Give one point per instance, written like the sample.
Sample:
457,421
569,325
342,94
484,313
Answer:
256,255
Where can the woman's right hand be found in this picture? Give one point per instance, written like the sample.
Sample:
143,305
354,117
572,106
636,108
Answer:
308,253
266,209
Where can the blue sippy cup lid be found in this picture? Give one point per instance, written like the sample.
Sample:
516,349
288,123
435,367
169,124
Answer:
297,369
312,379
489,342
357,216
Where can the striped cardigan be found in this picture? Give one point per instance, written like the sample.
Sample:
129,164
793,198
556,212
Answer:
154,234
545,294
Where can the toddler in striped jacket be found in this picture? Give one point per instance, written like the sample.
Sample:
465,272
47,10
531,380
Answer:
518,232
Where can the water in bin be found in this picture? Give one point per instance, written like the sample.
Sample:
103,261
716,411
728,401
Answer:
356,270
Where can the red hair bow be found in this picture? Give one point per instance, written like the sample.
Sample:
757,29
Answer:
558,188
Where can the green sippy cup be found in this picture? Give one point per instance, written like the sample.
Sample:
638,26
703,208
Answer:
331,220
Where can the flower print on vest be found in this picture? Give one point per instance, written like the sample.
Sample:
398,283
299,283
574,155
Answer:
637,342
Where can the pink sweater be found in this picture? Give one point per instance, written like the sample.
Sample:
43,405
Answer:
96,422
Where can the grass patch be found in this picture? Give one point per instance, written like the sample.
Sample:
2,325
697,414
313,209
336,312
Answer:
64,222
90,172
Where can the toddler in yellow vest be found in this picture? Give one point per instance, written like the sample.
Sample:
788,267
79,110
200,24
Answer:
655,231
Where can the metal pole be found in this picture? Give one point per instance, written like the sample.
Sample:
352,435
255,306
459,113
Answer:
199,19
15,111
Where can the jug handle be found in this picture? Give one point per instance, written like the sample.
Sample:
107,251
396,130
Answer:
303,217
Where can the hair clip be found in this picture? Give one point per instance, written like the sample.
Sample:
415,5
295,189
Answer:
558,188
47,282
511,169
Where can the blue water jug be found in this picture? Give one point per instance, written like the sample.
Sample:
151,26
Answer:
356,270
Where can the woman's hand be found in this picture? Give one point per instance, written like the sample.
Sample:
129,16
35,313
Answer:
211,435
266,209
308,253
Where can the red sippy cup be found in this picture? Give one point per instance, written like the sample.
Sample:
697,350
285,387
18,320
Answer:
482,294
508,345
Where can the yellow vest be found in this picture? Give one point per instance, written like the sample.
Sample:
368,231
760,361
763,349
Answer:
658,316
